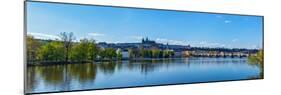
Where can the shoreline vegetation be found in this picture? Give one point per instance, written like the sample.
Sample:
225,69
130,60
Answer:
104,60
67,51
258,59
41,63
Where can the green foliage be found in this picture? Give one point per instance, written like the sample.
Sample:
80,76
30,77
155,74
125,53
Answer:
93,50
84,50
110,53
257,59
133,53
67,39
102,54
65,50
79,51
119,54
145,53
168,53
32,47
53,51
155,53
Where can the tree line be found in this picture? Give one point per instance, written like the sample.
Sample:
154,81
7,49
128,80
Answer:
150,53
65,50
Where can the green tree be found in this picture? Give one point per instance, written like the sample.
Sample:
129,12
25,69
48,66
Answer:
101,53
168,53
80,51
155,53
161,54
93,50
258,58
119,54
134,53
131,53
53,51
32,46
110,53
165,53
143,53
149,53
67,39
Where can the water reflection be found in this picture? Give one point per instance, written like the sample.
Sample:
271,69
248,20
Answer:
83,72
128,73
107,68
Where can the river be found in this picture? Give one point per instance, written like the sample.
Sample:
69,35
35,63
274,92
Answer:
101,75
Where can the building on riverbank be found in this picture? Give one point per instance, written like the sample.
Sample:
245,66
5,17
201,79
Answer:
179,50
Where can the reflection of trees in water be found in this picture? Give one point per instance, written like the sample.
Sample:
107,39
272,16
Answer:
254,64
151,65
107,68
31,81
51,75
258,60
60,76
119,65
82,72
146,68
260,68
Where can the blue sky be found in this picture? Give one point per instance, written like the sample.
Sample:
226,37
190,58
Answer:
118,25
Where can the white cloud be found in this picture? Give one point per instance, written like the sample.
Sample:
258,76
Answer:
210,44
234,40
95,34
227,21
255,47
173,42
222,45
43,36
136,37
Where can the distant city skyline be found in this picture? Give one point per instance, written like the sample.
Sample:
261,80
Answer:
128,25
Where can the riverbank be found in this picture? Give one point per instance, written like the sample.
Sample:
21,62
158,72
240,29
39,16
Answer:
44,63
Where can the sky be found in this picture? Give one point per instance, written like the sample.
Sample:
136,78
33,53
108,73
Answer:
128,25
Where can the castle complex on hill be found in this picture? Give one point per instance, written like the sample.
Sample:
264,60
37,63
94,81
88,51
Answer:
180,50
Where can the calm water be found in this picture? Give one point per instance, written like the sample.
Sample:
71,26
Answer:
126,74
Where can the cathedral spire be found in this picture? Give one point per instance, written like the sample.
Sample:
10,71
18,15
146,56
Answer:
146,38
